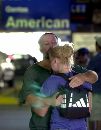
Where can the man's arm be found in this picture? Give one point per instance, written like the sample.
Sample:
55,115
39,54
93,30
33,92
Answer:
39,102
40,105
88,76
30,93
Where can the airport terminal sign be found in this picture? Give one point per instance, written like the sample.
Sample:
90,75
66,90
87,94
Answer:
35,15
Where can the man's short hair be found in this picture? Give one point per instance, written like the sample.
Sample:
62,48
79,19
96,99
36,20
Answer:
49,33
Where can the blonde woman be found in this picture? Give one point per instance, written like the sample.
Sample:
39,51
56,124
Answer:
61,62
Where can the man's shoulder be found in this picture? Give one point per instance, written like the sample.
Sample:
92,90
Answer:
31,70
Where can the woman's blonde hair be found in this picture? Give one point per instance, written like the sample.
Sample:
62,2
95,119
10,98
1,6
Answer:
64,53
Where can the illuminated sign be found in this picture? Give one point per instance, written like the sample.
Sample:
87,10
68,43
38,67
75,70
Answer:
86,11
81,13
41,23
35,15
79,8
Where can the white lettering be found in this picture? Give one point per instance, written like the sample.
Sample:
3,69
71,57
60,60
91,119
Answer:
10,9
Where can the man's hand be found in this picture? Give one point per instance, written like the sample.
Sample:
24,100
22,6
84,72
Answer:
77,80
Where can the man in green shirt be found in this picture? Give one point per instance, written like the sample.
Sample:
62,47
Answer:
37,74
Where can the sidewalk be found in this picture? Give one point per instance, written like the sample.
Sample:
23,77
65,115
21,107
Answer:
13,117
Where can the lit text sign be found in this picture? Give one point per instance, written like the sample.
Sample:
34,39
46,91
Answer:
36,24
35,15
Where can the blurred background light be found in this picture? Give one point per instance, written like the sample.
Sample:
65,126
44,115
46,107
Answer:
21,43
